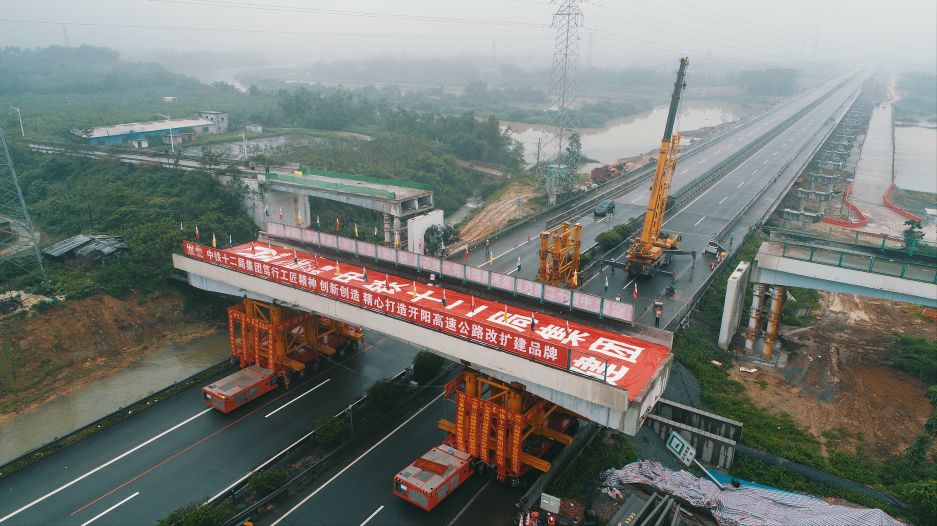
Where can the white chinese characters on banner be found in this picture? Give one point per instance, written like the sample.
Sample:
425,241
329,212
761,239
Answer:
589,351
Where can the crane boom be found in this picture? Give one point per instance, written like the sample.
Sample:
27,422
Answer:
647,250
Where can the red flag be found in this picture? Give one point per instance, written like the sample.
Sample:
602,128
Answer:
338,226
466,252
196,232
473,303
443,297
635,295
281,213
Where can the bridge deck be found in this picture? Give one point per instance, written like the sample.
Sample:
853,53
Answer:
618,360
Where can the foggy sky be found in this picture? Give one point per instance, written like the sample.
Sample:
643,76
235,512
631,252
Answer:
739,34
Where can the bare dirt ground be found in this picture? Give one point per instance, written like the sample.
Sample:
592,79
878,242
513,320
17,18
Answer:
837,383
511,203
81,341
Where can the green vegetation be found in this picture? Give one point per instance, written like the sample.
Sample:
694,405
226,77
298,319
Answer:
331,431
196,514
919,100
426,366
267,481
145,205
609,450
779,434
799,312
777,82
917,356
608,240
384,395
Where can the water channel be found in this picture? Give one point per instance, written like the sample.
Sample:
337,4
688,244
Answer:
67,413
916,158
633,135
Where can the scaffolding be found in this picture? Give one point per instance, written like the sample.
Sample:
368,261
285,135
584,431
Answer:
503,426
559,255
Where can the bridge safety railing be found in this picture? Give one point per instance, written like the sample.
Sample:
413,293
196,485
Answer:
325,185
857,261
570,299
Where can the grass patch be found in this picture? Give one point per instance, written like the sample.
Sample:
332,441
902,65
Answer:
609,450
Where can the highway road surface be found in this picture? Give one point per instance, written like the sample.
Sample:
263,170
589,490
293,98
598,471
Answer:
707,213
181,451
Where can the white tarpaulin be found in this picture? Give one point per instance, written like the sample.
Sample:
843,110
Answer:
747,505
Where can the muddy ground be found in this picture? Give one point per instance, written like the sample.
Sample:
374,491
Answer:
77,342
838,384
513,202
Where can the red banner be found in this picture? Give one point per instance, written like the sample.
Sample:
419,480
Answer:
622,361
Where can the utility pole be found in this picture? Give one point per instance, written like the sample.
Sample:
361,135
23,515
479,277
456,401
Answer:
20,115
21,248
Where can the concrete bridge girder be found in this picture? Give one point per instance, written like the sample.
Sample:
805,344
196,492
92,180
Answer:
600,402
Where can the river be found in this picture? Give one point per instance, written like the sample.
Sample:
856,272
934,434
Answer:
916,158
632,135
65,414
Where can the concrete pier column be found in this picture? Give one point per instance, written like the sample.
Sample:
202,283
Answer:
388,233
778,295
397,228
754,321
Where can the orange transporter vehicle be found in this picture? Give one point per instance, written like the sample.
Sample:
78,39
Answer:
433,476
497,425
273,343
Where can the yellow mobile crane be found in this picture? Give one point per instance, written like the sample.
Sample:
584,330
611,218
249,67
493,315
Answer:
648,251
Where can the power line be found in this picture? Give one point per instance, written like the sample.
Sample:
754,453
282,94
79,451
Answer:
346,12
765,30
266,31
661,25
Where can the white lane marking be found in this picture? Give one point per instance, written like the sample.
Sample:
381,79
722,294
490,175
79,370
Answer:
371,516
766,162
700,220
106,464
740,184
355,461
685,171
258,468
105,512
722,200
532,238
469,503
756,171
717,152
271,413
637,198
775,153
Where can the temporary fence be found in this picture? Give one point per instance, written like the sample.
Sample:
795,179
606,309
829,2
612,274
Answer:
570,299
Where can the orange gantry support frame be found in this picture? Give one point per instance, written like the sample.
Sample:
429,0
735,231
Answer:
559,255
502,425
283,340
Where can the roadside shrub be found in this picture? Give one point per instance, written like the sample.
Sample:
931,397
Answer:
624,230
195,514
426,365
609,450
921,498
331,430
607,240
384,395
917,356
267,481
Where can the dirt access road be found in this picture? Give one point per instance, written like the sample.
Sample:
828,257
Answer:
837,383
511,203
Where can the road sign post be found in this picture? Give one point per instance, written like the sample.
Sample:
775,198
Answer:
682,449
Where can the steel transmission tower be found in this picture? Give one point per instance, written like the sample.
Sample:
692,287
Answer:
19,248
563,116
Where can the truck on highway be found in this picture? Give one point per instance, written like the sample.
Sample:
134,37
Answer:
432,477
272,344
